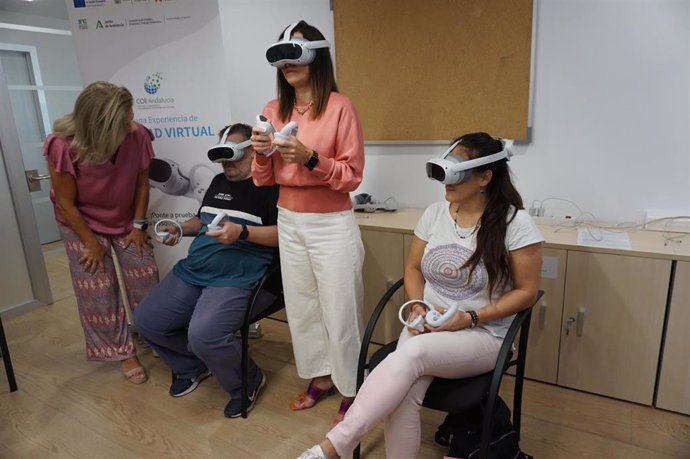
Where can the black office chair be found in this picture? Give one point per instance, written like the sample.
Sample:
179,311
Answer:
461,395
5,355
266,299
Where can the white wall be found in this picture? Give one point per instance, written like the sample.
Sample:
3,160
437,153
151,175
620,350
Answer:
251,26
611,114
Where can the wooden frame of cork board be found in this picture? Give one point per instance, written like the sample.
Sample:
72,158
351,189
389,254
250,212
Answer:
435,69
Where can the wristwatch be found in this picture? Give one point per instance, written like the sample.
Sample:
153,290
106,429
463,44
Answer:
140,224
312,161
244,234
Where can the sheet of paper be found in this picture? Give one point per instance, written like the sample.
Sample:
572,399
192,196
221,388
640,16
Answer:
595,237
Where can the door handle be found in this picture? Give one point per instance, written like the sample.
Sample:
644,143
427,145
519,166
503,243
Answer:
580,322
33,179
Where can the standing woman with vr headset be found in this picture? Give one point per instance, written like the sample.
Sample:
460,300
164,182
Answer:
478,251
320,245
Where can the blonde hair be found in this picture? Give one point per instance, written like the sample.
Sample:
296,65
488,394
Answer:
99,122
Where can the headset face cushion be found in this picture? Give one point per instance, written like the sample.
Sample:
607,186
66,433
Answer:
286,53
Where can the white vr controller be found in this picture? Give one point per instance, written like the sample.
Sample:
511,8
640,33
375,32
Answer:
288,130
432,317
215,223
161,235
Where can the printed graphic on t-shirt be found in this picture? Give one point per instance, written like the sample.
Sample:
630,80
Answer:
223,196
441,266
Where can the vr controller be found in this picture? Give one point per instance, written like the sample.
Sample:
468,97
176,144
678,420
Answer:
161,235
432,317
215,223
288,130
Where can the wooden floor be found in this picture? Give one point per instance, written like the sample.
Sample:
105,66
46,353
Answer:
69,408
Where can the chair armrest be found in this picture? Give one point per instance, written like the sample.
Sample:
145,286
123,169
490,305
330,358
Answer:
371,325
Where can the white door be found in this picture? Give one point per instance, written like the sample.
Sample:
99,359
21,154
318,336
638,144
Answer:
23,277
31,103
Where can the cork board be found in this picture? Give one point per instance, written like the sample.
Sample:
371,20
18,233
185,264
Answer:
435,69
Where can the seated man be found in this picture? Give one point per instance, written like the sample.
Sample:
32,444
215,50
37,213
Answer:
191,316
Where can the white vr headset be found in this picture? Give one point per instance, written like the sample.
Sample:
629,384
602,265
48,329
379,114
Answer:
227,150
293,50
451,169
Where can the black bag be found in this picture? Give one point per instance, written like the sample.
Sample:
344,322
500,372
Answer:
462,434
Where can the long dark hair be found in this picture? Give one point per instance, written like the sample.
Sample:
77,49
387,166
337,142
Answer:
501,195
321,76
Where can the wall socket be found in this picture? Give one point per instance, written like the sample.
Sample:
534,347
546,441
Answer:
537,211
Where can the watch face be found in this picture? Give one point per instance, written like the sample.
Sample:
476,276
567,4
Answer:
312,161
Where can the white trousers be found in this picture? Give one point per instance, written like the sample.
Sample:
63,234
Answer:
321,257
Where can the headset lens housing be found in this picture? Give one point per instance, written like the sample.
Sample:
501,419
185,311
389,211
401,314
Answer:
283,52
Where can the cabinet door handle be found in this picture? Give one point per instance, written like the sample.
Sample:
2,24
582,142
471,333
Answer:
569,324
542,316
580,322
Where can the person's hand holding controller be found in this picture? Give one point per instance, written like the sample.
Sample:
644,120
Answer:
227,234
261,140
168,234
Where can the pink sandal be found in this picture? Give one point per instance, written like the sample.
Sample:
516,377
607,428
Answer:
136,375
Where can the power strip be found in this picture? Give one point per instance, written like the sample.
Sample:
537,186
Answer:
672,226
555,220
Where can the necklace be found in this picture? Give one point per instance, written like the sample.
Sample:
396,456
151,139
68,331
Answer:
303,110
457,228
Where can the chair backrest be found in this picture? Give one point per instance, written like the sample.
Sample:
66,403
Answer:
267,296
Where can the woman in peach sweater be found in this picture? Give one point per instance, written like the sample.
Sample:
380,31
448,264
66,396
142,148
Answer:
320,245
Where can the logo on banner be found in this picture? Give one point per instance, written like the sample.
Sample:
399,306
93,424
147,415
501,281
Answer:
152,83
87,3
83,25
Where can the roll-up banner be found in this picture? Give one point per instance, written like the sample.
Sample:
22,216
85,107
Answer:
169,54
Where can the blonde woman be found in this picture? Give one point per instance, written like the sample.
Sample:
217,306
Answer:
98,160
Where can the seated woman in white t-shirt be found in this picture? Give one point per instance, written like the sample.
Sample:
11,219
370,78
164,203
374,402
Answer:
479,249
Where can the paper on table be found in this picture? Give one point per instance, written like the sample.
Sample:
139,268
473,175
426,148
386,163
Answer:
595,237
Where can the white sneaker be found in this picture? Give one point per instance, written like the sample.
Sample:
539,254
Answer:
315,452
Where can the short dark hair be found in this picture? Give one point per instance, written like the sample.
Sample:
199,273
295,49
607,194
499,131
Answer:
242,128
321,76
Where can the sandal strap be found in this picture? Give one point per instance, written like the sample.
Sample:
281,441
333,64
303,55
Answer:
344,406
314,392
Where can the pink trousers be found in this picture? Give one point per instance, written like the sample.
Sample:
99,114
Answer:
101,309
394,391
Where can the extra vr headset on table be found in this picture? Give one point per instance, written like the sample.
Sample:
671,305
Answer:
293,50
227,150
451,169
